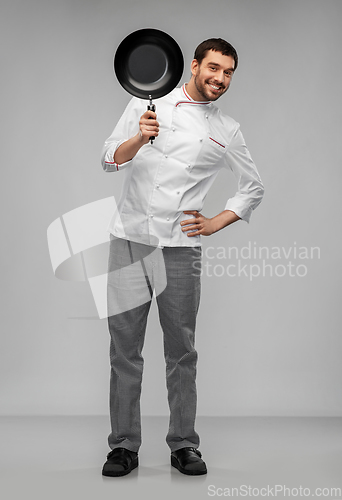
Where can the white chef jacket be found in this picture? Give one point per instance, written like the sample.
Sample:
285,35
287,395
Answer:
176,172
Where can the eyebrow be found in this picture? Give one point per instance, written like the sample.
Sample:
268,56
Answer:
219,66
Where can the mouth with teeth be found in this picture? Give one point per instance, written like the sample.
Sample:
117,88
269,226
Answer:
216,89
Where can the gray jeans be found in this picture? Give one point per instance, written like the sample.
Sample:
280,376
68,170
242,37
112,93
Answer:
174,274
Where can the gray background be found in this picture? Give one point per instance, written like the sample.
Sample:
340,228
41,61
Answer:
270,346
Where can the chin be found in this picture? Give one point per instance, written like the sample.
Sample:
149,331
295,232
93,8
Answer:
213,97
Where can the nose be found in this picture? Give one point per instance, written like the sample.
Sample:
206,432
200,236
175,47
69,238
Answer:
219,76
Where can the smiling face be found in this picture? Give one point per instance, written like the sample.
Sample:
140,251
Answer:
212,77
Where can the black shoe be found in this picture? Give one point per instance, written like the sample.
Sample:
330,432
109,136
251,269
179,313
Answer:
120,462
188,461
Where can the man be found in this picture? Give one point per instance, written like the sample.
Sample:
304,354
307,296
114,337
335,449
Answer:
160,210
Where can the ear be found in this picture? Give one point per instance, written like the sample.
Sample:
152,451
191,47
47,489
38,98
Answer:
194,66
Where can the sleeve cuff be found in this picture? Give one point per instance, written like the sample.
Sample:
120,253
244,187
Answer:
109,164
243,212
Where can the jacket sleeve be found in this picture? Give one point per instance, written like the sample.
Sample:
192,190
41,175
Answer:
250,188
127,127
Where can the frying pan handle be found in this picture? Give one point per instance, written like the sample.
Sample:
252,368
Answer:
151,107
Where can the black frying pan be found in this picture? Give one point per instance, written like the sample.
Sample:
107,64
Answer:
148,64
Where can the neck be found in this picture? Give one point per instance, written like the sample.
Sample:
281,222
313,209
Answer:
193,92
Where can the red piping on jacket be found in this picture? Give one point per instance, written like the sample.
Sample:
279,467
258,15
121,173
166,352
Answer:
191,102
185,92
113,163
217,142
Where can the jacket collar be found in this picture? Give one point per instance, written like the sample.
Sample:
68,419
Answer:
184,98
186,95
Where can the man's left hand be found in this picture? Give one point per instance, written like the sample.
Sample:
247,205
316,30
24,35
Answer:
198,225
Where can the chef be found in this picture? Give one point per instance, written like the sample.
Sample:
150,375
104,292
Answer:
160,213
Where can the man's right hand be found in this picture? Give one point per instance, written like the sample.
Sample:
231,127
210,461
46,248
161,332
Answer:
148,126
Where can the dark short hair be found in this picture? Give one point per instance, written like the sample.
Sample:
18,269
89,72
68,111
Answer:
218,45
